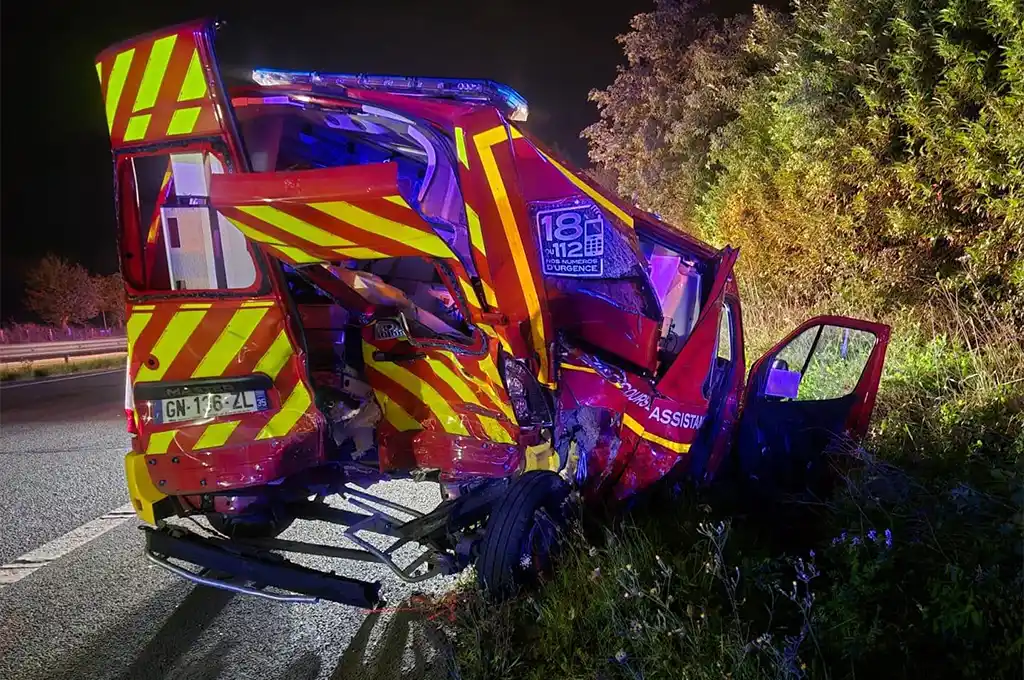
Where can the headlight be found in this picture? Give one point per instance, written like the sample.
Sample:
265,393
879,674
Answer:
529,399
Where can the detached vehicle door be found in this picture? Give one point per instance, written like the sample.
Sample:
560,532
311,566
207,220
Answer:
811,393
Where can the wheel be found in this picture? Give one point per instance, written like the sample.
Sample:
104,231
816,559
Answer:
251,526
522,534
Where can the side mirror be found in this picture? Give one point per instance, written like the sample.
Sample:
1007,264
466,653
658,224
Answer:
782,382
403,322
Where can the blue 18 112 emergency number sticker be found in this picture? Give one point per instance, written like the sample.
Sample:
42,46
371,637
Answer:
571,240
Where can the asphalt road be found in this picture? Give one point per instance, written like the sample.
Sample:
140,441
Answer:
102,611
62,444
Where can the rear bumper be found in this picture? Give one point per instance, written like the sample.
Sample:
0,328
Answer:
259,568
141,490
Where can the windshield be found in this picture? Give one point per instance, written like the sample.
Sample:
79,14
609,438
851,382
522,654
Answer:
675,276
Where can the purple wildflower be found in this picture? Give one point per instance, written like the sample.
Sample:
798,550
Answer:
856,540
812,554
888,538
873,535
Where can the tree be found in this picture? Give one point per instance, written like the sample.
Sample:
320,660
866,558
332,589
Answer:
604,177
685,74
111,299
867,149
886,149
61,292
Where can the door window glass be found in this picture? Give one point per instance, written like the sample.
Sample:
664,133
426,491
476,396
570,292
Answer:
723,352
725,335
184,244
823,362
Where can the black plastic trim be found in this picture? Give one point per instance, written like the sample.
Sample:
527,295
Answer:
148,391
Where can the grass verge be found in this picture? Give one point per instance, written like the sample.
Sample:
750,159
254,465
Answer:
29,370
913,568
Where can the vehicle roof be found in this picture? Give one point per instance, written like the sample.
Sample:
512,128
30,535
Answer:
444,112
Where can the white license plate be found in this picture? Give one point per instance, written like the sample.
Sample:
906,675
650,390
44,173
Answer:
200,406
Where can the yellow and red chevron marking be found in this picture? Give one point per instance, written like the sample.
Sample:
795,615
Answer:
166,187
156,88
491,186
364,229
294,416
476,234
329,231
171,341
443,392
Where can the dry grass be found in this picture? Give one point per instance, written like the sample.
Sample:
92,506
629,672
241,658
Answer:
49,367
912,569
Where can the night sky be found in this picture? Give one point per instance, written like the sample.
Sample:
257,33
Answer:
56,173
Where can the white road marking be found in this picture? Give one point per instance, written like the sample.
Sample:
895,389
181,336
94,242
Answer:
62,378
13,572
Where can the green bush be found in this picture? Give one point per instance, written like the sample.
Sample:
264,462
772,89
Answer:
867,156
864,150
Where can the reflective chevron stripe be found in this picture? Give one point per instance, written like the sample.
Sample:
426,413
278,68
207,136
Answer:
294,407
484,142
155,89
453,393
173,342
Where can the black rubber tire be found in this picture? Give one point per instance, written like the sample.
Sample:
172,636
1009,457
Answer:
246,527
498,568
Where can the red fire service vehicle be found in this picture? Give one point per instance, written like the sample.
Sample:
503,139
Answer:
338,279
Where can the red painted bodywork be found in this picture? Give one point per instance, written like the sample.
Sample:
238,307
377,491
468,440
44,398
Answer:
593,354
859,416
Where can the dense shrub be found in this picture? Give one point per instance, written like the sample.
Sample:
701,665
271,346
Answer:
871,150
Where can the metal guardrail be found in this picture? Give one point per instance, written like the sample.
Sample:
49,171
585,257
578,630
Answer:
57,350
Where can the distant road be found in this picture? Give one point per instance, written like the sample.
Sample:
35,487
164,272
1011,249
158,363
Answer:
70,348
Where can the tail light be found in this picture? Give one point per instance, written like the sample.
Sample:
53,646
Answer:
130,422
530,401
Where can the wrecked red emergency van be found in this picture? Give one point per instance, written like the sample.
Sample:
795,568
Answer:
335,279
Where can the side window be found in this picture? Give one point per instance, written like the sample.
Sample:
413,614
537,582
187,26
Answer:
725,335
823,362
724,349
184,244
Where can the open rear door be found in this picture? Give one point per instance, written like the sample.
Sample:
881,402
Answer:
219,396
165,86
814,390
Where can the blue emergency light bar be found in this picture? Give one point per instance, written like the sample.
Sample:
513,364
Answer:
462,89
